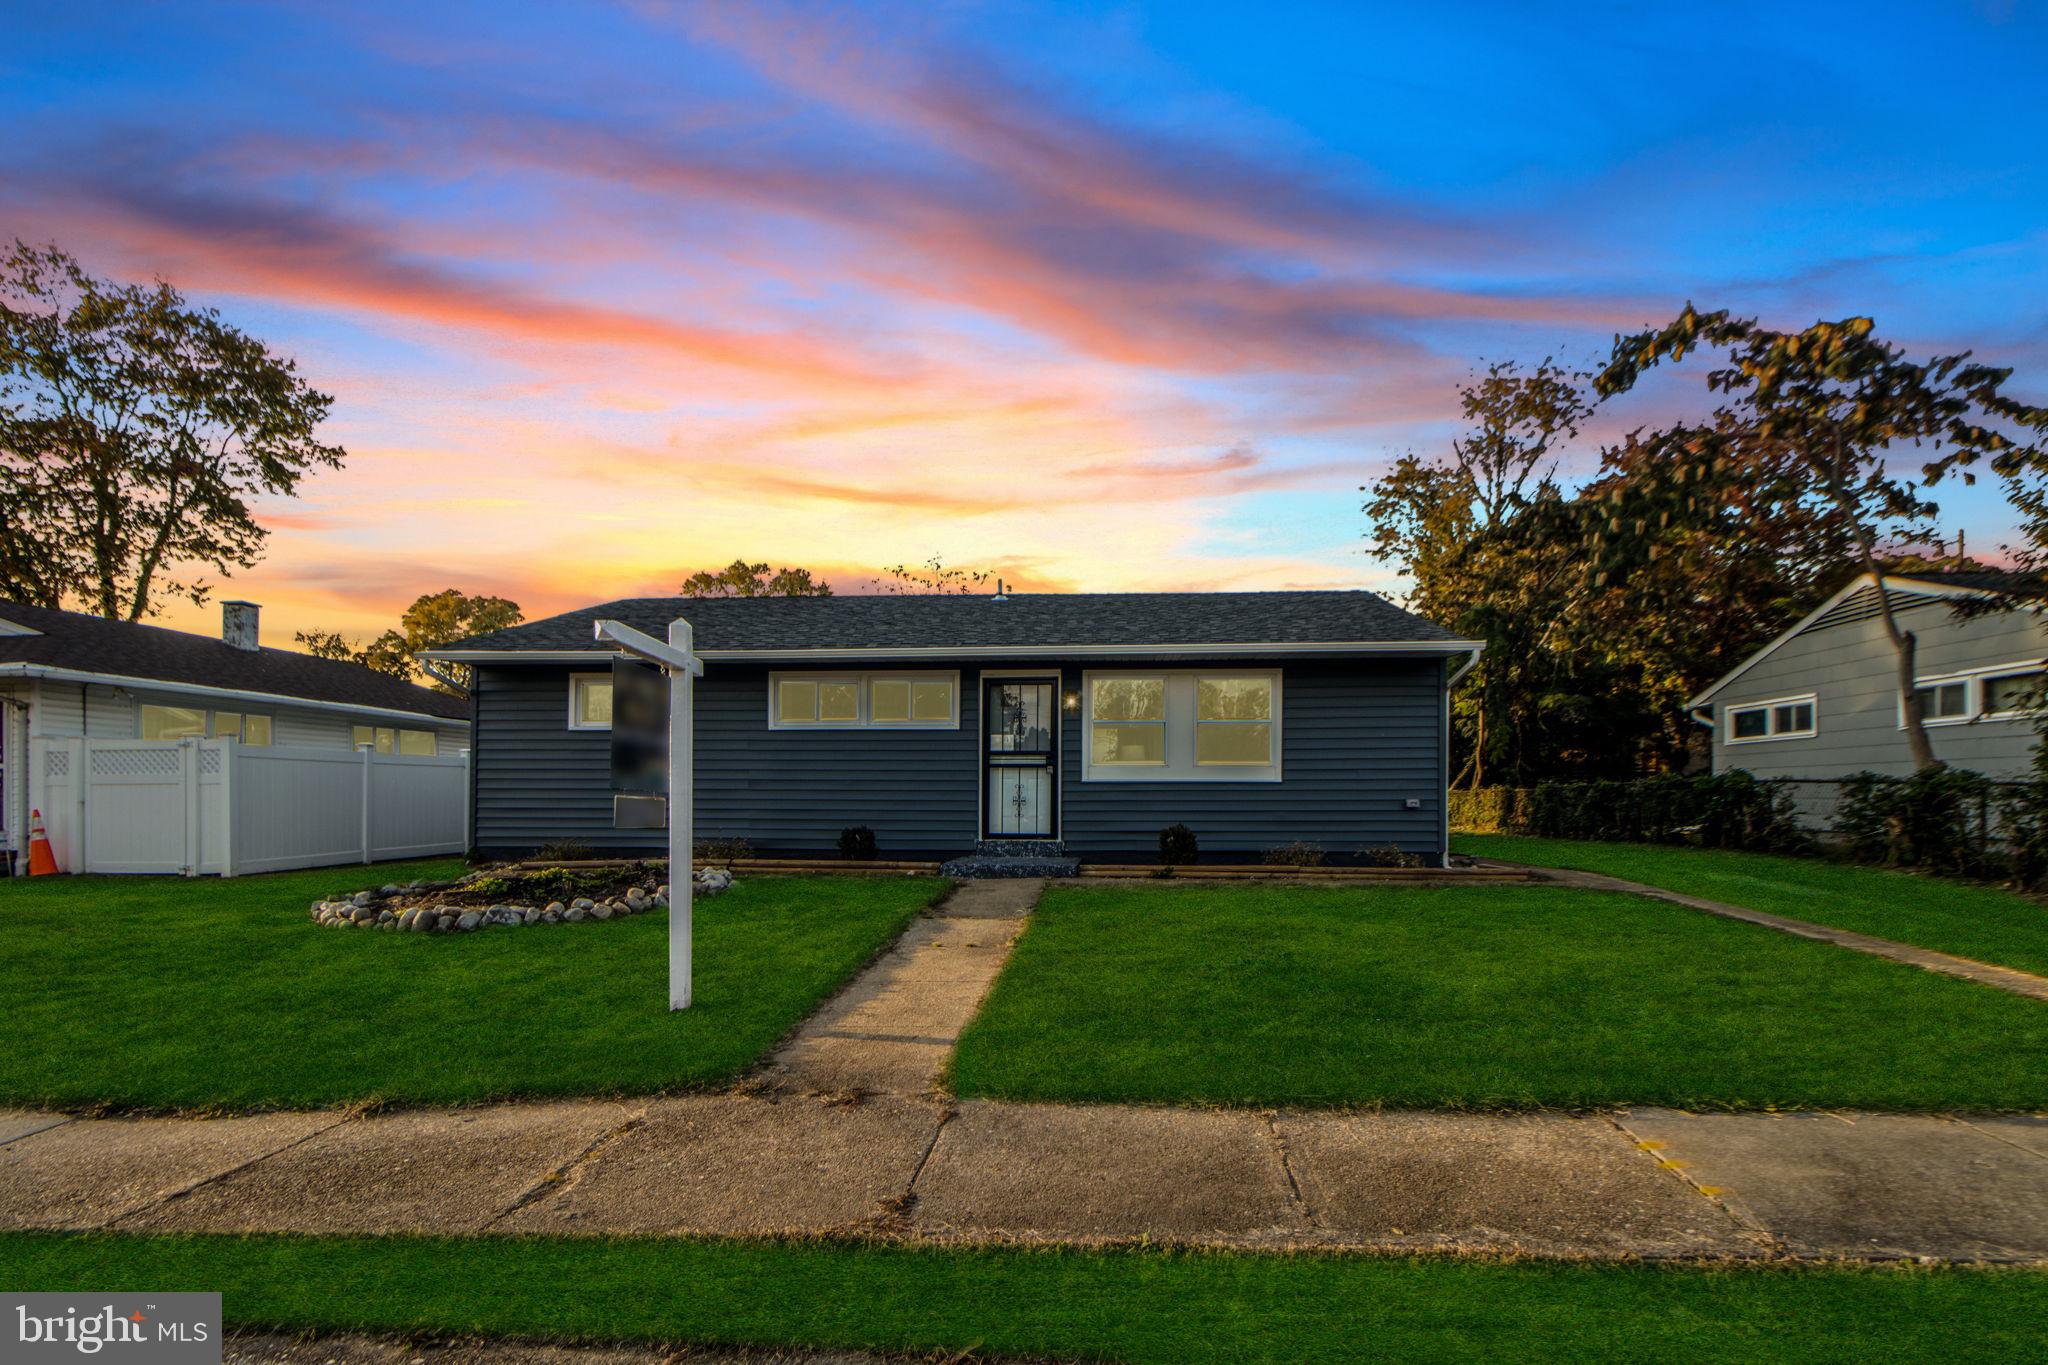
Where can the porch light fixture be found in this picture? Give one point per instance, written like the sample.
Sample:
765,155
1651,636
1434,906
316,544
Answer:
1070,701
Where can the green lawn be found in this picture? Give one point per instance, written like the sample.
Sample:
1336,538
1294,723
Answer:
1497,996
1965,918
1136,1306
159,993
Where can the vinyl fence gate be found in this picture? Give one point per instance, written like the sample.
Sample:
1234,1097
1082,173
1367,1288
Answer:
213,806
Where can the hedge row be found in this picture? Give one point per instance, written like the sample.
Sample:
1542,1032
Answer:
1947,820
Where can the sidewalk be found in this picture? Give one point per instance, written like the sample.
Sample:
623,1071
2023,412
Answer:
847,1133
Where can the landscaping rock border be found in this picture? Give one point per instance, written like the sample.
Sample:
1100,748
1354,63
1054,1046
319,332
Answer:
410,908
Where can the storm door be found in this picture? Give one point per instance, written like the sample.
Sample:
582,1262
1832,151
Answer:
1020,758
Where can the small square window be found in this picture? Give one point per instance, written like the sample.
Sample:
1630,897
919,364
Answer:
839,702
382,738
796,701
931,701
419,743
590,701
889,701
2013,692
1752,724
1945,701
1794,719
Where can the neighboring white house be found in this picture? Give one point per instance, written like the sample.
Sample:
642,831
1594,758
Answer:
68,677
1821,701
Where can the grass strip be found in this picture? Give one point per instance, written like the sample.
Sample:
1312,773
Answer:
1130,1305
1967,919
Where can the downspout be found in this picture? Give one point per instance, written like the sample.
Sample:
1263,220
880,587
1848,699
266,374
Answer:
1444,787
17,772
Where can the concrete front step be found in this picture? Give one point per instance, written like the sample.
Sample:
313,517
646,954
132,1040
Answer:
991,865
1020,848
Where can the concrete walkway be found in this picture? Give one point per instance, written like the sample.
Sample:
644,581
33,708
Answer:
1642,1183
892,1028
1983,973
849,1133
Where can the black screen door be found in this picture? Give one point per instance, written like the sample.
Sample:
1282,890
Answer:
1020,759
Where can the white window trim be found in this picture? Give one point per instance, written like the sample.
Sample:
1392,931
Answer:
864,682
574,679
1180,727
1973,698
1768,708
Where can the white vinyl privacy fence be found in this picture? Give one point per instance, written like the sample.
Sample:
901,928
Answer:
198,806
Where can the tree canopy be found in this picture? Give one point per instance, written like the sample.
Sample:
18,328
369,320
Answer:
1810,425
135,430
434,619
741,579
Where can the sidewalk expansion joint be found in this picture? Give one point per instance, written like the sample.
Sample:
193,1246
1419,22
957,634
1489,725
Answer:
186,1191
931,1145
56,1122
565,1174
1300,1200
1748,1227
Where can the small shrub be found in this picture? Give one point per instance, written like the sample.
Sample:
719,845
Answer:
1177,846
1388,855
1941,820
1300,853
857,843
564,851
723,851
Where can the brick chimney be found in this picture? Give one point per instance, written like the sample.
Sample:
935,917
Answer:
238,624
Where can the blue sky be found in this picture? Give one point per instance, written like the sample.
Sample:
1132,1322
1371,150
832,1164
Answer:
1128,296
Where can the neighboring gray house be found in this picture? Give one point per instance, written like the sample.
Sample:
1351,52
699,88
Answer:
1822,701
1083,722
65,675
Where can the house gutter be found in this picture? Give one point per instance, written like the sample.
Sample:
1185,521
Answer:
53,674
1419,649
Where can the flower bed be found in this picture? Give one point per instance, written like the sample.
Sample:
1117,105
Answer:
485,899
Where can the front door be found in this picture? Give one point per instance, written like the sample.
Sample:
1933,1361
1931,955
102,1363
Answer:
1020,761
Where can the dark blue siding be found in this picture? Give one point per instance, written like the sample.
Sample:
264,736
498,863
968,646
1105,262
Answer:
1359,739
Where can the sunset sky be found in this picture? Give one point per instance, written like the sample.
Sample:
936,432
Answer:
1095,296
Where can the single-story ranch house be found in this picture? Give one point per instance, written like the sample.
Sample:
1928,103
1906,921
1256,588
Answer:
943,723
66,676
1821,701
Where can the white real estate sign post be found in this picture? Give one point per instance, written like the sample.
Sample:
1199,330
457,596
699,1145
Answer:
682,667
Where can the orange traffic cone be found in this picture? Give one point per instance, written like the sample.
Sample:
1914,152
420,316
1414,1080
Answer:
41,862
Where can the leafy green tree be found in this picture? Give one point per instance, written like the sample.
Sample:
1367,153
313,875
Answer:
741,579
433,620
1477,533
134,432
1810,422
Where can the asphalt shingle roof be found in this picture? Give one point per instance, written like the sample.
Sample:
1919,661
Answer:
93,644
1022,620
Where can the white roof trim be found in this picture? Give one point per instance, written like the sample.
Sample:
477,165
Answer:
1903,583
22,670
1430,648
8,627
